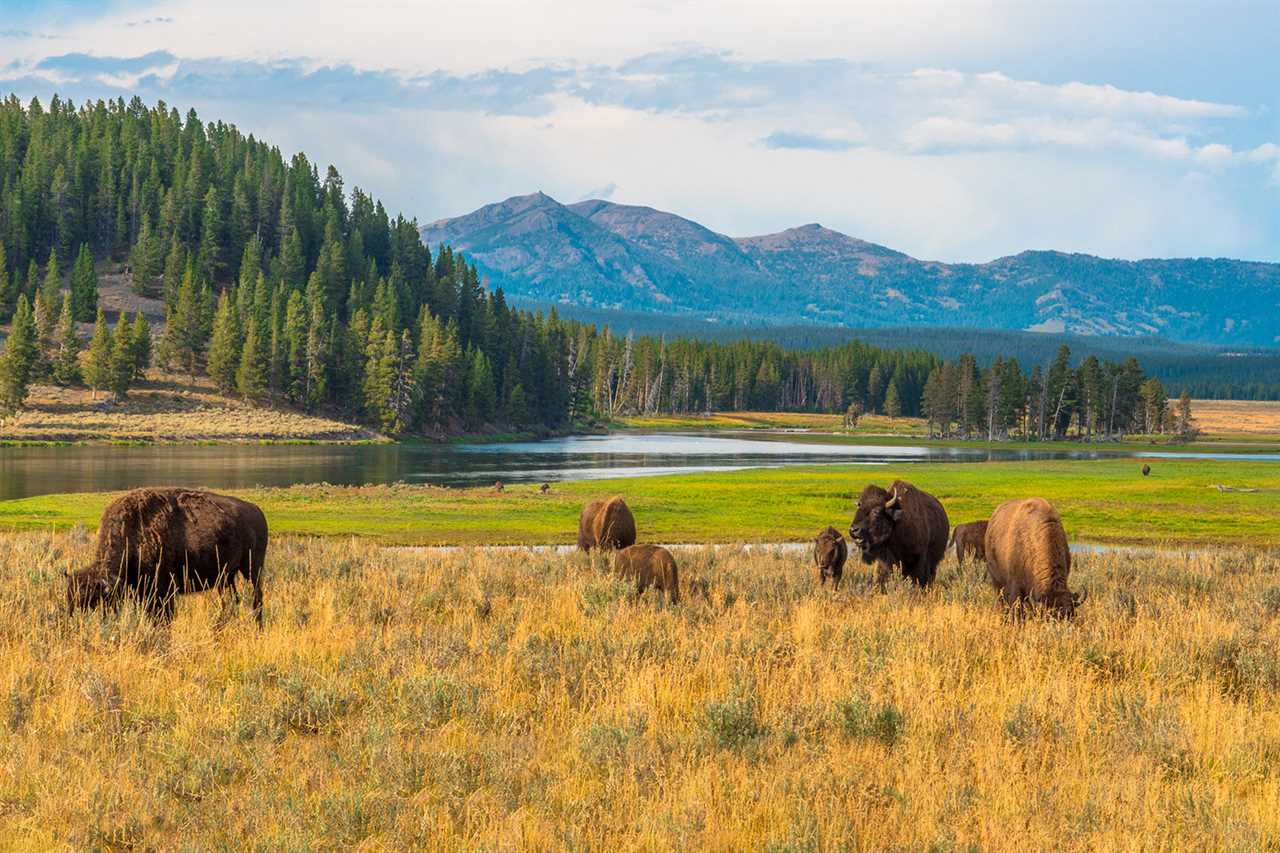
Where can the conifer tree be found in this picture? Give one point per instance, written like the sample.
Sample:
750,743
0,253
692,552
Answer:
17,358
209,256
120,364
295,348
66,359
184,333
97,370
226,345
52,280
84,287
146,260
176,267
8,288
141,336
251,377
892,405
377,372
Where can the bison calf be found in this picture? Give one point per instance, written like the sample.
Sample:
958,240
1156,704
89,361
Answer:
156,544
649,566
607,524
829,554
900,527
969,540
1028,558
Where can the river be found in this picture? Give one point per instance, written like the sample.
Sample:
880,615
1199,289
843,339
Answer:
29,471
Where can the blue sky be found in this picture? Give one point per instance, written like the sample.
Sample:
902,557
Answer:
956,131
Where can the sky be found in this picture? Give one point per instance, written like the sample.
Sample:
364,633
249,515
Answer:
956,131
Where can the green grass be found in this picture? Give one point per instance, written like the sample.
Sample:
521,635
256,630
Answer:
1100,501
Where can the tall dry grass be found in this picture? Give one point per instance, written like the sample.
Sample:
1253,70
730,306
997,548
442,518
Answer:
522,701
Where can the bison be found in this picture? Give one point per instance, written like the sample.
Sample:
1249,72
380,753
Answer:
608,525
900,527
155,544
650,566
968,539
829,554
1146,470
1028,558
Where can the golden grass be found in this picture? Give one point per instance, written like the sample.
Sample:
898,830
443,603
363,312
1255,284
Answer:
484,700
1222,418
166,408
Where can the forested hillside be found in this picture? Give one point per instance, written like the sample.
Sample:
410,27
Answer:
286,288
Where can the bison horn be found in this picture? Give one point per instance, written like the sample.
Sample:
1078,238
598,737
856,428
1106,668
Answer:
1080,597
893,501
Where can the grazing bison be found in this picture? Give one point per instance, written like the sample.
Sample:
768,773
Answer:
649,566
900,527
829,554
969,541
607,524
544,488
155,544
1146,470
1028,558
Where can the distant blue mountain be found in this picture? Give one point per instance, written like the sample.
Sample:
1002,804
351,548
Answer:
610,256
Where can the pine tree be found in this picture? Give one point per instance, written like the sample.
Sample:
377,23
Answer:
378,372
97,371
17,358
892,405
52,280
251,377
33,281
8,288
481,399
141,337
295,345
146,260
184,334
84,287
209,258
226,345
176,268
1187,429
120,365
66,359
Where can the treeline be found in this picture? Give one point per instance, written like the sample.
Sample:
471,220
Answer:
1097,400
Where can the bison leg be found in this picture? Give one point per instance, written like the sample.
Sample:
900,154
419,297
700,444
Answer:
883,570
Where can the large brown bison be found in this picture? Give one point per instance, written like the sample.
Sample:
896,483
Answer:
607,524
900,527
969,539
155,544
1028,558
649,566
829,554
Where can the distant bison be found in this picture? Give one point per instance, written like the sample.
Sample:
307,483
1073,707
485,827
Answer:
649,566
1028,558
829,554
968,539
900,527
608,525
155,544
1146,470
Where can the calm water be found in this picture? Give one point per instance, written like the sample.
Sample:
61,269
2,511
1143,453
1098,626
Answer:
34,471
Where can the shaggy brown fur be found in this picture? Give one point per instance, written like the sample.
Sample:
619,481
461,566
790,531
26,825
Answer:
900,527
1028,559
608,525
156,544
829,554
1146,470
969,540
650,566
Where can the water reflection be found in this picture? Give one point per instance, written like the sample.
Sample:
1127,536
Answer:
37,470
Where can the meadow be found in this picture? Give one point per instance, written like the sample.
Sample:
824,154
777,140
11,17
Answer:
1106,501
475,700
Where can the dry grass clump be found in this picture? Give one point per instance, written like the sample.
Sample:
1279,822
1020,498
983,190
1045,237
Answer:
496,700
165,408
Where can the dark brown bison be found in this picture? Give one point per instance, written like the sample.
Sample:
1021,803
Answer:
155,544
1028,558
607,524
900,527
1146,470
649,566
969,541
829,554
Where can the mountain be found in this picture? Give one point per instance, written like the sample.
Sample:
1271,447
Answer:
600,255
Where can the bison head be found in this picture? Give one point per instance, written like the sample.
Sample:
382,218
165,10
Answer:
87,588
1065,602
875,519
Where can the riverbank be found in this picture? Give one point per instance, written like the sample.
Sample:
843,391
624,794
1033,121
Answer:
167,409
1103,501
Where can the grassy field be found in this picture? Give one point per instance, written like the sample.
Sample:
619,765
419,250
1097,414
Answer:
818,422
165,409
1238,419
1100,501
472,701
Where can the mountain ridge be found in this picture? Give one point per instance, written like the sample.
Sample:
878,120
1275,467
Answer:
606,255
